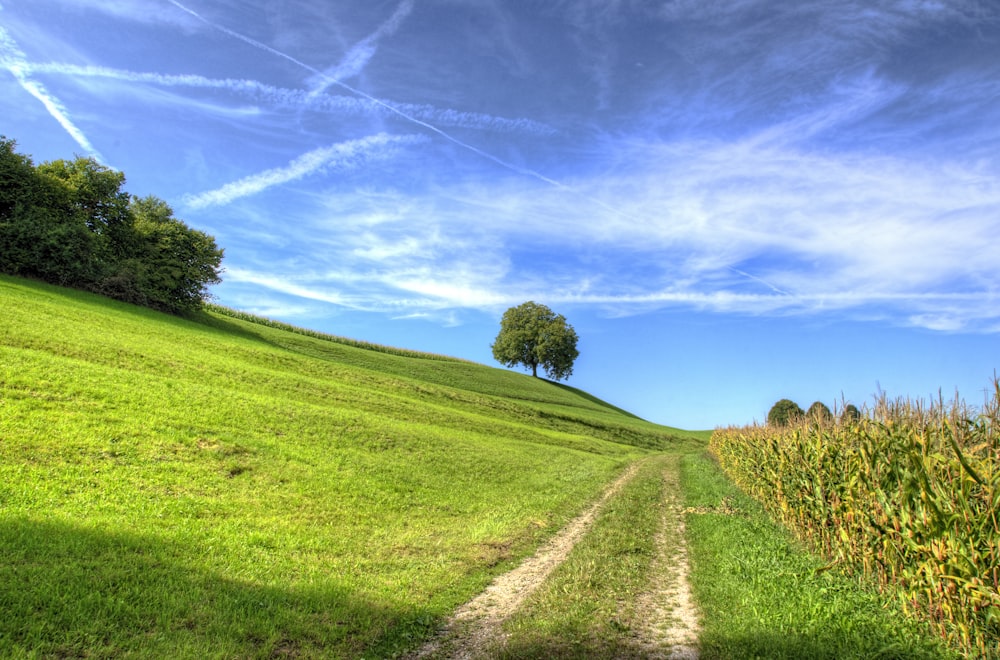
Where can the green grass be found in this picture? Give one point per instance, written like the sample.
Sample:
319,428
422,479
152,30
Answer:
763,596
219,487
214,487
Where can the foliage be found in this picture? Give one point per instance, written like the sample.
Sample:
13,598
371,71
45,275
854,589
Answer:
70,223
819,411
784,412
907,497
533,336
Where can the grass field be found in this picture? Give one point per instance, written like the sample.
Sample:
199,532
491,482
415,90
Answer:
213,487
223,486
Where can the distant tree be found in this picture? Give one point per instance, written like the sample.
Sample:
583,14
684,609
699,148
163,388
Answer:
850,414
533,336
819,410
783,412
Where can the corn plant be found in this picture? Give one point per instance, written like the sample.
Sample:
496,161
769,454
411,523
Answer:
907,494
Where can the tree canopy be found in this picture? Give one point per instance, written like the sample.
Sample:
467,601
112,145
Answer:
819,411
850,414
69,222
532,335
783,412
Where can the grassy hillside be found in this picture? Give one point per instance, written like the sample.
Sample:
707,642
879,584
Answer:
218,487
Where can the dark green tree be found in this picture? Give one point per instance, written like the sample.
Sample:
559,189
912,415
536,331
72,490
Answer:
39,236
69,222
93,196
850,414
784,412
819,410
17,177
177,263
533,336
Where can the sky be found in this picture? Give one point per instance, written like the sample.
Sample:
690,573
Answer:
731,201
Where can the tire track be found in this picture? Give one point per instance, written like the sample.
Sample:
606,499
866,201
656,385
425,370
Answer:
477,625
669,627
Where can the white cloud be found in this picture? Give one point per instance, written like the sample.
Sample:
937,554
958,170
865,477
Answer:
749,228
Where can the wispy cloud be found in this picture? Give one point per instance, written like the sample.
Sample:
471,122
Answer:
767,158
343,156
14,60
146,12
759,226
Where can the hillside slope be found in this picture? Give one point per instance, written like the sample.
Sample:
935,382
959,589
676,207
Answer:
214,486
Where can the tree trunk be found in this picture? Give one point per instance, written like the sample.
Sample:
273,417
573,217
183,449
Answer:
534,369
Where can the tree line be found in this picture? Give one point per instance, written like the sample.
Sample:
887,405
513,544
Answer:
69,222
786,412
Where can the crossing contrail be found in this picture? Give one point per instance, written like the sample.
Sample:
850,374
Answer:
357,57
295,98
14,60
391,108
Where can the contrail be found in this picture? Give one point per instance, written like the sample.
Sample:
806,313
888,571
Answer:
359,56
293,97
396,111
14,60
757,279
345,154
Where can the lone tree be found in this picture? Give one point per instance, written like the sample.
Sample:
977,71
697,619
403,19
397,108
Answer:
783,412
534,336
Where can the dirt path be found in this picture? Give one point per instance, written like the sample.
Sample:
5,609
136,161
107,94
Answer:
670,625
477,624
669,628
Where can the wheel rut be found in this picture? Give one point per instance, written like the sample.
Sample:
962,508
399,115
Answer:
668,628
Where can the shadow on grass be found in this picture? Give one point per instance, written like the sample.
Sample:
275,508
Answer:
70,591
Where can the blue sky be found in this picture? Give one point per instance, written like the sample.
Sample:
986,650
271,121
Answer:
732,201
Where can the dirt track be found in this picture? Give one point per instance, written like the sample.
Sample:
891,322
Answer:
668,631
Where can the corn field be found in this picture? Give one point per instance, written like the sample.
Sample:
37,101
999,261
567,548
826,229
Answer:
907,495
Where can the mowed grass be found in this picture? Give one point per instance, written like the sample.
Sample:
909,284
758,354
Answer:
211,487
762,595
